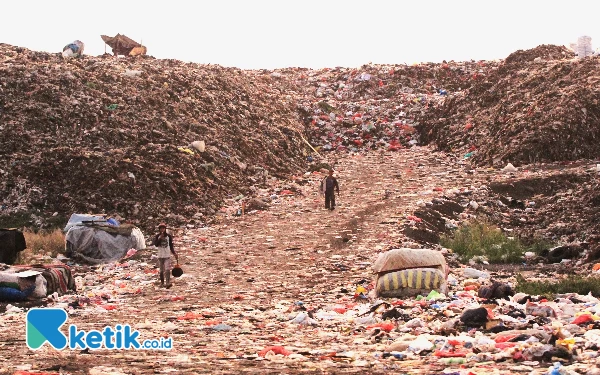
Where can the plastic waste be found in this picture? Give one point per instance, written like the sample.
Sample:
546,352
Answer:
303,319
419,345
222,327
474,317
199,146
509,168
74,49
274,350
132,73
473,273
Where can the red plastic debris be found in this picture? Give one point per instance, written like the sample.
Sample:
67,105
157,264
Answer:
274,349
388,327
189,316
581,319
449,354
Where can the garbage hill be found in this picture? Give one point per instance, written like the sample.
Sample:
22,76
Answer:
539,105
374,106
100,134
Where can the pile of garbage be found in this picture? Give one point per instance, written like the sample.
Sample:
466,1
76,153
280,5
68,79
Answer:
141,139
554,205
540,105
375,106
545,52
271,290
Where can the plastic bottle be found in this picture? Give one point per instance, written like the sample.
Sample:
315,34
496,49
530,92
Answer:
473,273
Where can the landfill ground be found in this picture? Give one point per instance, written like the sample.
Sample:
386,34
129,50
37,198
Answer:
287,277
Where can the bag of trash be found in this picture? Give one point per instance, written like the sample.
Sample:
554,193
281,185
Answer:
410,283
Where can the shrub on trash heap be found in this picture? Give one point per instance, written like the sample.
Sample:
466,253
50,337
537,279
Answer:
42,243
571,284
483,239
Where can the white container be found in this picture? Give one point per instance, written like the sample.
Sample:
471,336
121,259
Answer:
584,46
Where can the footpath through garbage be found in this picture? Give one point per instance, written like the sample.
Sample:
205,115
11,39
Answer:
272,281
289,290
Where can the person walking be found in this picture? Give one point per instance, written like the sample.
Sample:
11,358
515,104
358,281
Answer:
164,242
329,186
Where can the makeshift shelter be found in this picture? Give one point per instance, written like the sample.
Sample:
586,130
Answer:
123,45
97,243
410,272
12,242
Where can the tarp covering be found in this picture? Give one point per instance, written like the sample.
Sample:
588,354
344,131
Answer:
96,244
11,242
77,219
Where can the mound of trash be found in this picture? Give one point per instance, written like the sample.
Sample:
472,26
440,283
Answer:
542,111
543,52
374,106
144,139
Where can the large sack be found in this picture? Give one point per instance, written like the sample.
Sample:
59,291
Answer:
411,282
401,259
18,286
58,278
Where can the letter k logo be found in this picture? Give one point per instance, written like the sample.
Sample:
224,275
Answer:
43,325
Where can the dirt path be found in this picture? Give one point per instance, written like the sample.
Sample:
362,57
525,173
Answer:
255,274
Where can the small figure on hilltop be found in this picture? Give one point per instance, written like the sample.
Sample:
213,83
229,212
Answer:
164,242
328,185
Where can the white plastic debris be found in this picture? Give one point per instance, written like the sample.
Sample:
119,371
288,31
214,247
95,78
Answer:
509,168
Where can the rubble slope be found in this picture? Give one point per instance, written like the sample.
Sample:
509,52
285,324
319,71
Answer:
100,134
540,105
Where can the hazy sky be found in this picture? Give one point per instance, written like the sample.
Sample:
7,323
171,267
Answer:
309,33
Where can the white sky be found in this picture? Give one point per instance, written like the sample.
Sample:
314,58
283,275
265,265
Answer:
254,34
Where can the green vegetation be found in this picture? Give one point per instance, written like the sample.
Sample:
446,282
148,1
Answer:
572,284
25,219
326,107
17,220
484,240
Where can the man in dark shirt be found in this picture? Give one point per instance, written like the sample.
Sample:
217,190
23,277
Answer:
328,185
